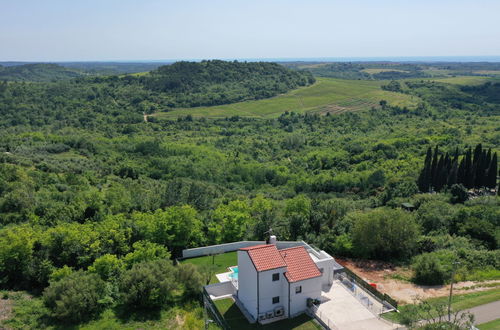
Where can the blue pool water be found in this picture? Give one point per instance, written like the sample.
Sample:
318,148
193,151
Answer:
234,273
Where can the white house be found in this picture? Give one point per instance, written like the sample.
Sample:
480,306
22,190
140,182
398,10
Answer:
276,283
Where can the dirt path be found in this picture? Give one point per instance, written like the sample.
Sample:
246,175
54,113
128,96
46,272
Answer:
385,275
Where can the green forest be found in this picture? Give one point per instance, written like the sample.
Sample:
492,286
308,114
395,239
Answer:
99,193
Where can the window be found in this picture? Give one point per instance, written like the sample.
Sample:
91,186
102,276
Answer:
298,289
321,270
276,300
276,276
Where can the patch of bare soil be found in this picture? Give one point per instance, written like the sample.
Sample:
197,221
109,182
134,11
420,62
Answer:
390,279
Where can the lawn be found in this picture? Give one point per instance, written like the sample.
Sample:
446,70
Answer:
221,262
458,302
492,325
237,320
326,95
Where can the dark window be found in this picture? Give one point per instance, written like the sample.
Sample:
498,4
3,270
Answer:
321,270
298,289
276,276
276,300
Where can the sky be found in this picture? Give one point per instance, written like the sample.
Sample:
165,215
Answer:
126,30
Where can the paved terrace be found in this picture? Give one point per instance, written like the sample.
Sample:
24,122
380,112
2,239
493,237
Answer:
348,313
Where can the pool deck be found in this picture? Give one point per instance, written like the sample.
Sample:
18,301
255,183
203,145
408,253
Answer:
224,277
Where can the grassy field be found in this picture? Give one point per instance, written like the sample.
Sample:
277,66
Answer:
464,80
458,302
375,70
237,320
492,325
326,95
221,262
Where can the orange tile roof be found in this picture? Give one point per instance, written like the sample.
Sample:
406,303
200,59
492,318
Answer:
300,265
265,257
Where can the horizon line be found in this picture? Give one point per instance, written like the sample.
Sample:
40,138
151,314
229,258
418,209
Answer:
426,58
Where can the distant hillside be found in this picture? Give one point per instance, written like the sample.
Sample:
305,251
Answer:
110,68
219,82
37,72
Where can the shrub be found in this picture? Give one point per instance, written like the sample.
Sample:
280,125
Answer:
428,270
384,233
76,297
148,285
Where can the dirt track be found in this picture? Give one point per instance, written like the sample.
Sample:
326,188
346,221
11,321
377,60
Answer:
382,274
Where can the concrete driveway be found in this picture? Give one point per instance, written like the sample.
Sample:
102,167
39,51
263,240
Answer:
348,313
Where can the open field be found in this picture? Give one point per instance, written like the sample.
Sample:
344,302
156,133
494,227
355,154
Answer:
464,80
491,72
326,95
375,70
237,320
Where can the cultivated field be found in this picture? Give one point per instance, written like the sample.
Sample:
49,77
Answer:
377,70
326,95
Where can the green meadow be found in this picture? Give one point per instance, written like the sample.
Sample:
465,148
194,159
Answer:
326,95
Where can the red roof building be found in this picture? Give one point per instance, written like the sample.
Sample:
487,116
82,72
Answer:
265,257
299,264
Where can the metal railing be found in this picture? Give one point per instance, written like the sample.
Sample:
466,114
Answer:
366,298
213,312
322,318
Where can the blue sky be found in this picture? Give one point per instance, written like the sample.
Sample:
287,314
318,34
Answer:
65,30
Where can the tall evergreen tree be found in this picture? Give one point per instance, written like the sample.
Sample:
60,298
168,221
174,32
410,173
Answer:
434,165
453,174
492,172
469,173
425,174
439,180
461,172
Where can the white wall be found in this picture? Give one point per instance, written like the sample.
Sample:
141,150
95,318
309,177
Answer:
247,283
311,288
219,248
328,266
269,289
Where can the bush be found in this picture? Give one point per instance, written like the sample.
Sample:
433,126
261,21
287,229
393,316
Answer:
384,234
76,297
428,270
148,285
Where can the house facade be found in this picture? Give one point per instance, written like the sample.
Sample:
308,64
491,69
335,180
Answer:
278,283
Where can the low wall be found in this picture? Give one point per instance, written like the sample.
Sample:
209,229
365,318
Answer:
220,248
220,289
228,247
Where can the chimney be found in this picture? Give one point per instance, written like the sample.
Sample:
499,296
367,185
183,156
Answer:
272,240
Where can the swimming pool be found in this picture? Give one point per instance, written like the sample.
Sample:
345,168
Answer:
234,272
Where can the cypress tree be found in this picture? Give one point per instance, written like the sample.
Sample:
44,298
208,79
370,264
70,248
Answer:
453,176
492,172
461,172
477,153
469,174
434,166
425,174
440,172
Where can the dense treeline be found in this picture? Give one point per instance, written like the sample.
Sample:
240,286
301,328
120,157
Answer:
38,72
219,82
395,70
95,101
477,169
